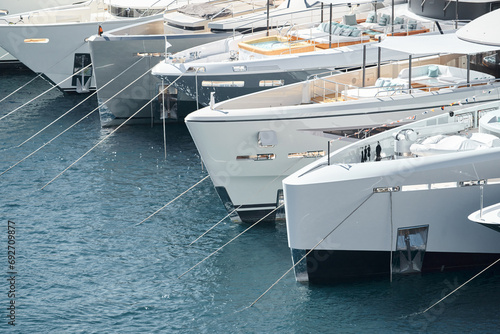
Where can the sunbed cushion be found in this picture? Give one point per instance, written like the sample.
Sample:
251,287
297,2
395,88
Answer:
350,20
371,18
384,20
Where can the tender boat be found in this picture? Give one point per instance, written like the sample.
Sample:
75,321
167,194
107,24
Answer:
397,202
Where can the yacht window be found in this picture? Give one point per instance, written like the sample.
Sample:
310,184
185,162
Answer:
471,183
239,68
149,54
386,189
483,112
359,133
415,187
493,181
257,157
308,154
196,69
223,83
443,185
132,12
271,83
36,40
178,26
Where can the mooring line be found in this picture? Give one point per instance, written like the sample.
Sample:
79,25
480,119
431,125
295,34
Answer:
439,301
227,243
41,74
211,228
309,252
50,82
80,103
235,209
112,132
71,126
48,90
163,207
57,119
26,84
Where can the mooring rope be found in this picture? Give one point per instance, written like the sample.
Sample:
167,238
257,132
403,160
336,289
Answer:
80,103
26,84
74,124
112,132
309,252
163,207
227,243
211,228
50,82
57,119
236,208
439,301
41,74
48,90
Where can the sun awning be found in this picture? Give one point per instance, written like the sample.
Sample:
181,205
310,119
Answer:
434,44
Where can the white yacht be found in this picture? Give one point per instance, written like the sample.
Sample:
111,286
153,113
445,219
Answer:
19,6
397,202
251,143
53,41
178,31
116,52
242,65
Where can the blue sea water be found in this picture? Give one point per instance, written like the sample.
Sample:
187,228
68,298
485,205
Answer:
84,265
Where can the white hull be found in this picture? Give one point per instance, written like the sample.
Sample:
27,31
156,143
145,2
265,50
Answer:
312,211
285,69
17,6
344,210
44,49
116,51
116,54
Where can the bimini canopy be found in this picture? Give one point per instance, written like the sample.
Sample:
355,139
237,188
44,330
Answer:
434,44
